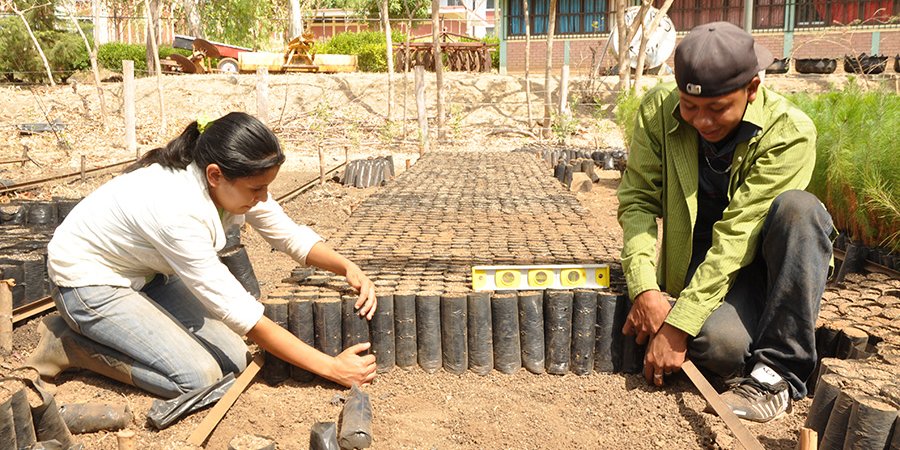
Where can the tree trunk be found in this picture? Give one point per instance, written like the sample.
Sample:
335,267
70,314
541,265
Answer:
152,7
438,65
296,19
645,37
406,70
386,20
93,55
628,33
192,13
548,106
34,40
155,60
623,44
527,63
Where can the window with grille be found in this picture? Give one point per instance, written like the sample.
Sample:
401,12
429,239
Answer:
572,17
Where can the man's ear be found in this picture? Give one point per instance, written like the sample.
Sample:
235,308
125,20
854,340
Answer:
214,175
753,88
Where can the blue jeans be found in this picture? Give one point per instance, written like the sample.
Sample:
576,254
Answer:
769,315
174,342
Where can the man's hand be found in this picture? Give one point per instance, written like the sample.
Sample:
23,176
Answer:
647,315
367,301
665,354
349,367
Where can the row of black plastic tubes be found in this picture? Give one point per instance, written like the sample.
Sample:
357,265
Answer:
23,258
871,304
856,404
553,331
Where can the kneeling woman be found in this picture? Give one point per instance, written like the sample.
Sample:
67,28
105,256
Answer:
143,296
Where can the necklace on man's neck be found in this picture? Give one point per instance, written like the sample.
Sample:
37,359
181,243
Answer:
723,172
706,148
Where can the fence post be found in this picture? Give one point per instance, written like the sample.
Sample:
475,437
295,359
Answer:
420,107
564,91
128,97
321,165
262,94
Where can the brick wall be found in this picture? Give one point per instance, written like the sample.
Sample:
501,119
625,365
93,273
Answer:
806,44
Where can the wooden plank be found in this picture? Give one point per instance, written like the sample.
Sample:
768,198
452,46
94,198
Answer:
743,435
6,324
218,411
32,309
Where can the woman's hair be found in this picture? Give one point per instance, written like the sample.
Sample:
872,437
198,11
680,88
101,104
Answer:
237,142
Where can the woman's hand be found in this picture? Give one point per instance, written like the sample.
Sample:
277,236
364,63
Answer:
367,301
323,256
351,367
346,368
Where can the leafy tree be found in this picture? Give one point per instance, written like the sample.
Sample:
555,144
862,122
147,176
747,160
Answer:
246,23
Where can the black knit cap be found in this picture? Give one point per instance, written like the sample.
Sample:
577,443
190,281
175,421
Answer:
718,58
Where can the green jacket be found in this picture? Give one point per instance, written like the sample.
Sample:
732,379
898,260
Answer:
661,180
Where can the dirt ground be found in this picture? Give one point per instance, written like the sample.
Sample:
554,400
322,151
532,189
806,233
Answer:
412,409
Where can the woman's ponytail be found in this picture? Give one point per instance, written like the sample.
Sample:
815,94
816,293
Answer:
177,154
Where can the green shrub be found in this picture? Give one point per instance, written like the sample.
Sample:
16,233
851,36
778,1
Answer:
68,55
627,105
19,59
112,54
858,161
369,46
495,51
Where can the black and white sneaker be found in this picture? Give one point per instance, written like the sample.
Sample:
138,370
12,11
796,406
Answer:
757,401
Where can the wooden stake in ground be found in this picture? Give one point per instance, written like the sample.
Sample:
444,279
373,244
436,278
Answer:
93,55
125,440
386,21
6,324
438,65
527,64
564,91
321,165
218,411
808,440
128,108
420,108
151,27
548,107
34,40
262,94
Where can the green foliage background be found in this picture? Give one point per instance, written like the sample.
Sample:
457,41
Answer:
63,47
857,172
370,48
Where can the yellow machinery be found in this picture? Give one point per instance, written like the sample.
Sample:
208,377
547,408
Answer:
300,56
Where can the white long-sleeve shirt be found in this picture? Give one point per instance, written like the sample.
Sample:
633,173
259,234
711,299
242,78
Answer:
162,221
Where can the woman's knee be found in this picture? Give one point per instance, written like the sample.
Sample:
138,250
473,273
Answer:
232,355
198,372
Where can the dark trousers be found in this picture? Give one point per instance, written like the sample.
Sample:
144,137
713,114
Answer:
769,315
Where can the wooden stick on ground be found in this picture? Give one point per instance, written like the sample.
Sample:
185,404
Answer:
218,411
808,439
743,435
6,325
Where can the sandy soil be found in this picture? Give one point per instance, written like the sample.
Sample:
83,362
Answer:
412,409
